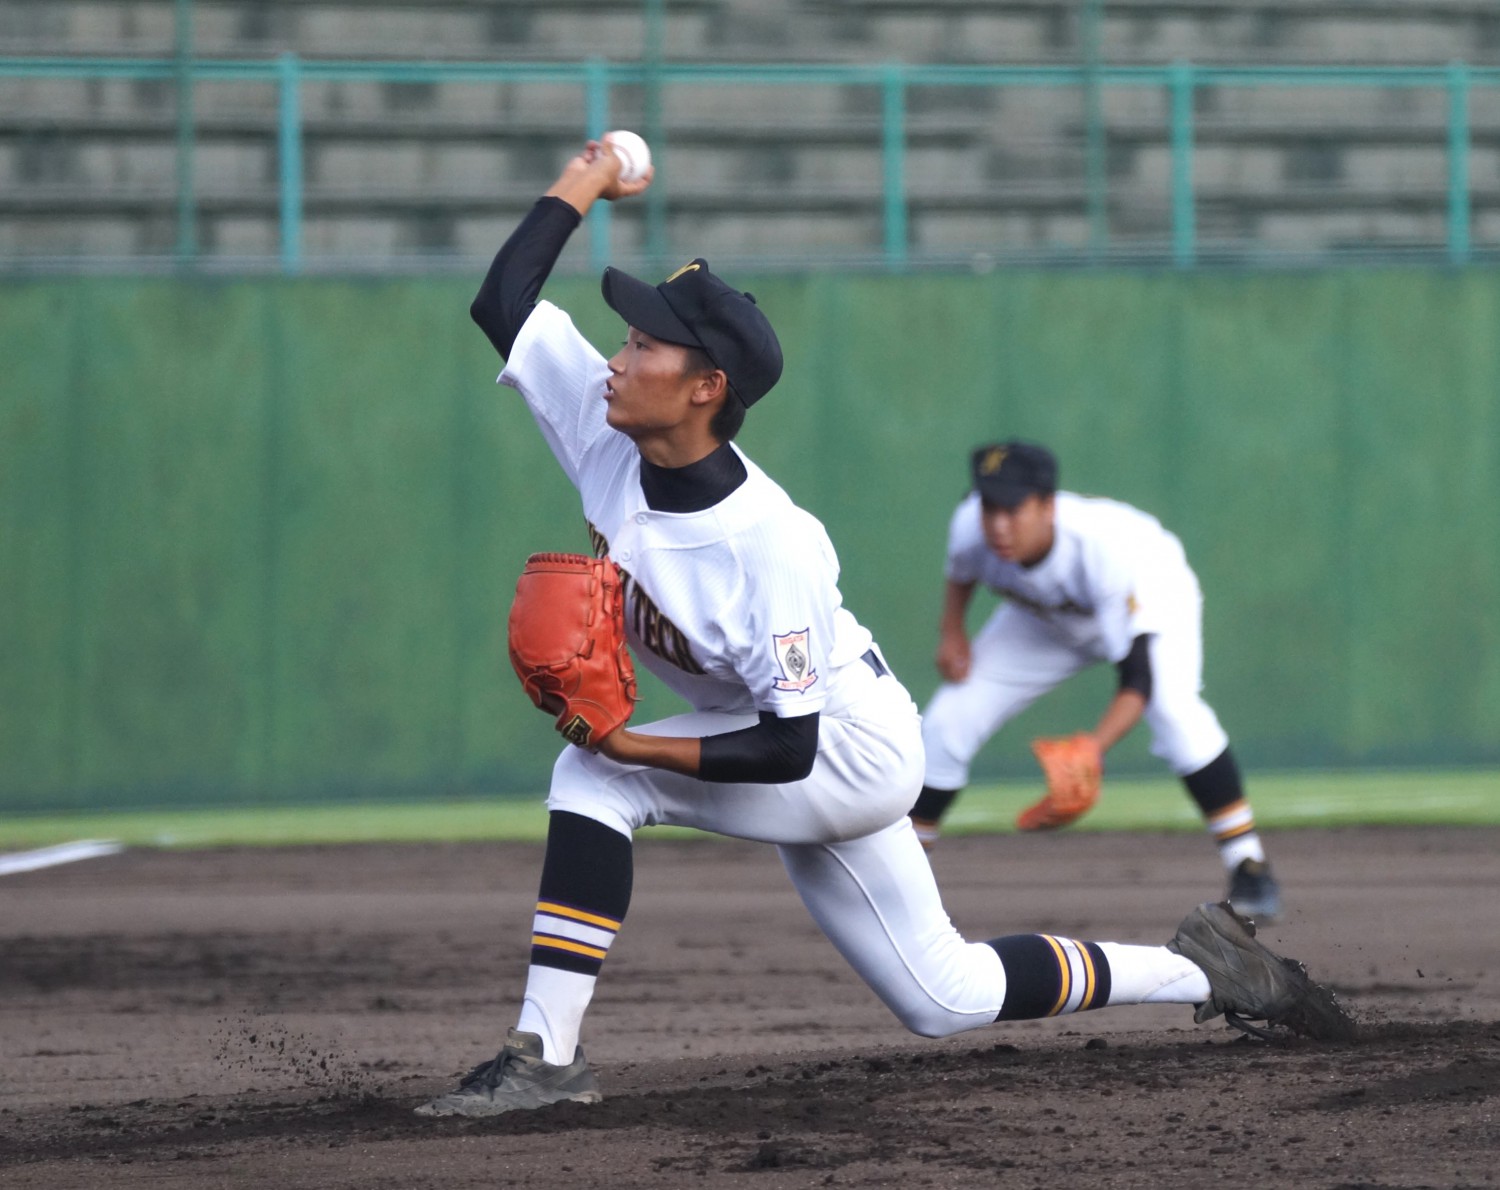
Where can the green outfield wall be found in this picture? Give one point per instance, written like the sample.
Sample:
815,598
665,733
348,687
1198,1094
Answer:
258,537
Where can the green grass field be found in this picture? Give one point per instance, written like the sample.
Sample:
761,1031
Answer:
1282,801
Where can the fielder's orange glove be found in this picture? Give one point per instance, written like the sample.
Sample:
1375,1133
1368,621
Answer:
1073,768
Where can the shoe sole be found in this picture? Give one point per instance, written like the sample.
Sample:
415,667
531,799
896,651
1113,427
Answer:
1320,1016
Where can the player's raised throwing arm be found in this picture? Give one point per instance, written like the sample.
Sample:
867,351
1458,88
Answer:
515,279
660,392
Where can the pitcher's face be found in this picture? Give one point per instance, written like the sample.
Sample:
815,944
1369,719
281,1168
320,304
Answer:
650,387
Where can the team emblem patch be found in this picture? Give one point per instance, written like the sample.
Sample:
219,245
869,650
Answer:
795,658
993,460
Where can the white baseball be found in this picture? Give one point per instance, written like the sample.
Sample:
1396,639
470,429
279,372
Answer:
634,155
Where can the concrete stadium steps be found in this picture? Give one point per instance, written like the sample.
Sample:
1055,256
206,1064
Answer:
89,166
1369,31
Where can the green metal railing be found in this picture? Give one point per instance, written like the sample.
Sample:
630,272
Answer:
1181,80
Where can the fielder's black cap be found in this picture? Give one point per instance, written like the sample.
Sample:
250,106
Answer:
697,309
1005,473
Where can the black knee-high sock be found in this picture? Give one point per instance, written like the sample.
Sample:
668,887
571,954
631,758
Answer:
932,803
1216,785
1048,976
585,891
1220,795
927,814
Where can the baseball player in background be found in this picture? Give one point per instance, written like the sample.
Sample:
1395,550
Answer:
1083,580
798,734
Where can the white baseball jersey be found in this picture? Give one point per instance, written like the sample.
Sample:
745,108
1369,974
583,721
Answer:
1113,573
736,607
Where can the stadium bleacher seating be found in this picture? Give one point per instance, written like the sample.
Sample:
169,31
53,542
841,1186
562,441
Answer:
792,172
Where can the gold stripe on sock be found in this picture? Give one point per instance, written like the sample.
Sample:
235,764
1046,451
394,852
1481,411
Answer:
1065,970
556,943
1236,807
592,919
1090,983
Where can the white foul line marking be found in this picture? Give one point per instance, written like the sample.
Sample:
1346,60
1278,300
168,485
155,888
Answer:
63,853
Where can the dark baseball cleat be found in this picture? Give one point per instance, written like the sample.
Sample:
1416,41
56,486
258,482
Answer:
1248,982
517,1079
1254,892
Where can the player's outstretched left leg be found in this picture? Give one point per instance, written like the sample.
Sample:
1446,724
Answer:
876,899
517,1079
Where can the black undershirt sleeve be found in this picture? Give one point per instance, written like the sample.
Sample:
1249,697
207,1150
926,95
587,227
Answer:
514,282
772,752
1135,669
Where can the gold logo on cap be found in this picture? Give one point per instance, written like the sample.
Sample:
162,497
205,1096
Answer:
687,268
993,459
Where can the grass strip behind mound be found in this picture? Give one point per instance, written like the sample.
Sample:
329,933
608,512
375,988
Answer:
1281,801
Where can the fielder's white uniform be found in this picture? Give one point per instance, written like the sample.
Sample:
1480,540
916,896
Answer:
1113,574
737,609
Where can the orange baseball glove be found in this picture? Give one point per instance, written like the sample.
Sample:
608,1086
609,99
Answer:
567,644
1074,769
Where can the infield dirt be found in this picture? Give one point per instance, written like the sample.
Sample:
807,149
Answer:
264,1017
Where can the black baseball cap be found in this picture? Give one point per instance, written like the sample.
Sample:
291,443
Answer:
697,309
1005,473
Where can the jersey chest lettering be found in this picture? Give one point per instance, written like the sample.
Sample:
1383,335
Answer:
654,630
1066,608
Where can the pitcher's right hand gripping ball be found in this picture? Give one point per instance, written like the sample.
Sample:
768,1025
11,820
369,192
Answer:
567,644
633,152
1074,769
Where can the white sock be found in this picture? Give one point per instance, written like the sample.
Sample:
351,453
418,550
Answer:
1236,851
1152,975
553,1009
1233,828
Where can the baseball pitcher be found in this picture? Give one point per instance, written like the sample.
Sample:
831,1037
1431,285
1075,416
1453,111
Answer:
797,734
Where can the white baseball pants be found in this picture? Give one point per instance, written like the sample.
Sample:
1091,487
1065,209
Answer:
1016,658
844,838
